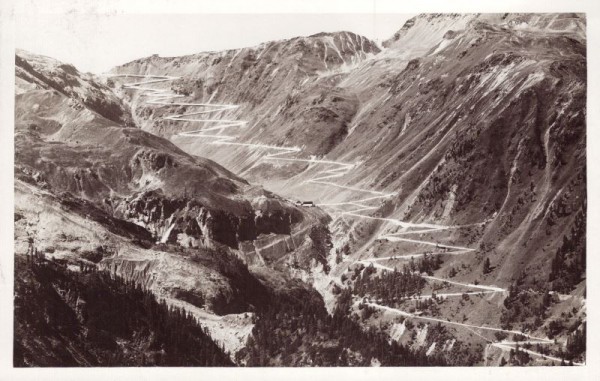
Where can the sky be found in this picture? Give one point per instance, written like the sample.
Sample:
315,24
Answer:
96,42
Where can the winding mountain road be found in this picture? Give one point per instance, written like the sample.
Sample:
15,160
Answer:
333,170
429,318
166,97
213,132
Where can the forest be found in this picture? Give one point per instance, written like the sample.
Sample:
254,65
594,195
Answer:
392,287
568,265
92,318
296,330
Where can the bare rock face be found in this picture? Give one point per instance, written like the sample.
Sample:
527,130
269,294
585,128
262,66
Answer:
187,220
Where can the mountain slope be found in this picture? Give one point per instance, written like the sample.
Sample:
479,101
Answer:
61,319
256,77
40,72
470,118
96,194
133,175
451,164
465,134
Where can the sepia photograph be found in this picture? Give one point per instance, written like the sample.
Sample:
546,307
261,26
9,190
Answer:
298,189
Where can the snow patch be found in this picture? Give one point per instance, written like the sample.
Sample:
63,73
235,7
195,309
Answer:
421,336
431,349
532,79
407,120
448,345
441,46
397,330
167,233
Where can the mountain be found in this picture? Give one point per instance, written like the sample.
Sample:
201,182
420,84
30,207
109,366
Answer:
465,133
470,124
99,193
267,81
448,169
67,147
34,72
